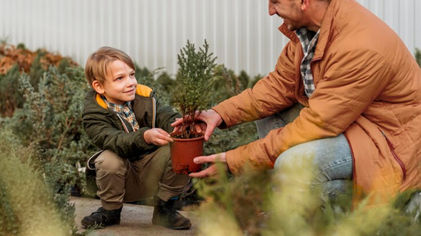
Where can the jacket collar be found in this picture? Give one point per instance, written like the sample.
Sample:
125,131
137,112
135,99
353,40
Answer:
326,30
141,90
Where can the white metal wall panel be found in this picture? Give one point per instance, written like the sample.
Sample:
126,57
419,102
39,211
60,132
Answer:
240,32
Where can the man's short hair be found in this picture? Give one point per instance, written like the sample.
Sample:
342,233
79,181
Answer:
96,67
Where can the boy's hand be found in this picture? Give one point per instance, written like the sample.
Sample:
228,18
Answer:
157,136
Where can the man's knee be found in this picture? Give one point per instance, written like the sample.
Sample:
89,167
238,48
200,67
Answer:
324,164
303,156
330,157
110,162
298,155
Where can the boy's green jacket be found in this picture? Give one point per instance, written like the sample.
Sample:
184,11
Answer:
108,131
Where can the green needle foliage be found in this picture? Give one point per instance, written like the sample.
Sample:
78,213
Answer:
27,205
418,56
226,84
10,98
193,82
50,123
9,224
162,86
284,202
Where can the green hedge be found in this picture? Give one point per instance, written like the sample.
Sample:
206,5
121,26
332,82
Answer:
47,120
418,56
28,206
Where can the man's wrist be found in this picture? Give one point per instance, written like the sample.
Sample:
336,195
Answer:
219,117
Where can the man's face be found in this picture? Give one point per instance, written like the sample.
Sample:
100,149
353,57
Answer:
120,83
289,11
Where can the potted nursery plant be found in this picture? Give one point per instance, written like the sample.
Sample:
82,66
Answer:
190,96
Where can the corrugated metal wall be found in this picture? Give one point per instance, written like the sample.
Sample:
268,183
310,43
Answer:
240,32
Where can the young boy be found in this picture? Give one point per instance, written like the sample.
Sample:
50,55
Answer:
124,119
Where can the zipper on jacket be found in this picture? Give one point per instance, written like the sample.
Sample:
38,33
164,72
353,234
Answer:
398,160
153,112
122,122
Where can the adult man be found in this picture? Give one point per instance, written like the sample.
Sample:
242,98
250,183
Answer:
355,79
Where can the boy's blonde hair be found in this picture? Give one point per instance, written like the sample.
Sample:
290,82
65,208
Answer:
96,67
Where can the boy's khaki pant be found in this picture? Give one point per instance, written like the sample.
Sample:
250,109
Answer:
120,180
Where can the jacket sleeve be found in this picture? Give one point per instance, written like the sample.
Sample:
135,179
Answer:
271,94
346,89
165,116
107,137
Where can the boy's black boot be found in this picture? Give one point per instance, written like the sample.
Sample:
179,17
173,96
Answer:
166,215
102,218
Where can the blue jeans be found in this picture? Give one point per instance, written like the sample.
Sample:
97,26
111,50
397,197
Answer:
332,157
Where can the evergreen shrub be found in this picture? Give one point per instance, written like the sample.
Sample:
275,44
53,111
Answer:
283,202
226,84
26,203
191,92
418,56
50,123
161,86
17,60
10,97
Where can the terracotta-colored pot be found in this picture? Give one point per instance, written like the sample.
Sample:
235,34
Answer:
182,153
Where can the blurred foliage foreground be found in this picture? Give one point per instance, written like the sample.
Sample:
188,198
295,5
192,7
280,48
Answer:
283,202
43,148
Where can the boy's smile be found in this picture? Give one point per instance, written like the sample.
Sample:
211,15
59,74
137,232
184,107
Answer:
119,85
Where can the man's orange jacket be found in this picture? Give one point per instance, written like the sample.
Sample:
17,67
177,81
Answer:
368,86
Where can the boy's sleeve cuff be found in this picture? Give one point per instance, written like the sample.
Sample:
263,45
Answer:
140,139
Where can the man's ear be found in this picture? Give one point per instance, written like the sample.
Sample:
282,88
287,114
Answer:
305,4
98,87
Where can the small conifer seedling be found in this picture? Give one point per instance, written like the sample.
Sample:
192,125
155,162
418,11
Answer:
191,96
192,91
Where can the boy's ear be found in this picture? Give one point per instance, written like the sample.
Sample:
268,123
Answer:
98,87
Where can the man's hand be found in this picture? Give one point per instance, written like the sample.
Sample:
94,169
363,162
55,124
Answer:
211,170
211,118
157,137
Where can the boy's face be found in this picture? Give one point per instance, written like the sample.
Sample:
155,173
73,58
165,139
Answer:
119,85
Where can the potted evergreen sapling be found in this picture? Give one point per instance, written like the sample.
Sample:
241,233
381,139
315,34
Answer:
191,95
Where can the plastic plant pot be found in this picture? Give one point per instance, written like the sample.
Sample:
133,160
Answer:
182,153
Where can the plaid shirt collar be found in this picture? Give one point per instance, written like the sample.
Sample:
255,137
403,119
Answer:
308,40
125,111
117,108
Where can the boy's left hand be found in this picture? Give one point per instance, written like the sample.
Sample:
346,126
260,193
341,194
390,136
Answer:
157,137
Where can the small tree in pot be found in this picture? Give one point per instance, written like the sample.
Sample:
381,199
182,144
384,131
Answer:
190,96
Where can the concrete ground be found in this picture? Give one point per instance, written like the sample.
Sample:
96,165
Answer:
135,220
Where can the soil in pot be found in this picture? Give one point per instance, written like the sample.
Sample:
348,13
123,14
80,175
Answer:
182,153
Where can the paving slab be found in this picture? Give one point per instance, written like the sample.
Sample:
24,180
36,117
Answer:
135,220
